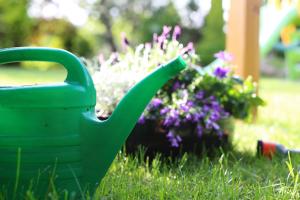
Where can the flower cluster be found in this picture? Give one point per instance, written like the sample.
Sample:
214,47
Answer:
188,107
111,75
203,102
197,101
198,110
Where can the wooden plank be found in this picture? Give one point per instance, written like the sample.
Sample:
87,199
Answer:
243,37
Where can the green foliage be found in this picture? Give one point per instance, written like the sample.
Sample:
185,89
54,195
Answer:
213,36
60,33
236,95
145,23
15,24
153,23
139,19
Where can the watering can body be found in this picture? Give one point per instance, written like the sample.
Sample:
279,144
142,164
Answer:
50,133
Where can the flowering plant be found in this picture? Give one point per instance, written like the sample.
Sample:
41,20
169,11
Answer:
203,102
199,98
114,76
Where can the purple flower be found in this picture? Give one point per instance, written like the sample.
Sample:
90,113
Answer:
188,117
176,32
199,95
164,111
172,118
155,38
168,121
142,120
215,116
170,134
216,106
177,123
190,103
221,72
156,102
189,48
212,98
176,86
199,130
225,56
174,113
184,107
125,42
208,124
206,108
174,143
197,116
161,41
174,140
166,31
215,126
178,138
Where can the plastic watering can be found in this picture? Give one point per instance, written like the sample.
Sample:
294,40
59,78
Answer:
53,129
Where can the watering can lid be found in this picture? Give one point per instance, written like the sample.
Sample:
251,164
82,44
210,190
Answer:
77,90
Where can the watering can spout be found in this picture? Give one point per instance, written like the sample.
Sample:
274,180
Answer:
135,101
111,134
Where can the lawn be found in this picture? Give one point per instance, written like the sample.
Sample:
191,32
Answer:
232,175
15,76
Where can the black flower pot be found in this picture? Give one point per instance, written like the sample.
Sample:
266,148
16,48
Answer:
152,138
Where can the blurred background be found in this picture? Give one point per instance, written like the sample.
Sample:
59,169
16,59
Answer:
90,27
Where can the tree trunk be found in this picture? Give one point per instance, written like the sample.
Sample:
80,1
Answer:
106,20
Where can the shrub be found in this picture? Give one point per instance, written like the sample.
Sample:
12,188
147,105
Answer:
213,36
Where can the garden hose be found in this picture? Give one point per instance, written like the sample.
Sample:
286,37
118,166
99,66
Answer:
270,149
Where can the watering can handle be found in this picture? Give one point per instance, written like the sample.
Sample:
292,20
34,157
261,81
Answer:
77,73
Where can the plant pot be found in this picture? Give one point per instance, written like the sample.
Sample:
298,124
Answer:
153,139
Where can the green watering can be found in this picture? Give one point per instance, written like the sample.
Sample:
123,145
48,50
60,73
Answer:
53,129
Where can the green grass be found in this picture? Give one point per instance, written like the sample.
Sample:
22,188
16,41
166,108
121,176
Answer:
232,175
278,121
17,76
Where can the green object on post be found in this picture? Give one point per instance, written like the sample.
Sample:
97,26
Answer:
52,132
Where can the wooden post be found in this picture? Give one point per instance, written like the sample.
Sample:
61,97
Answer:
243,37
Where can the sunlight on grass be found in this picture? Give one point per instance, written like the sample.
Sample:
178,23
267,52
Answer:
278,121
12,76
233,175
